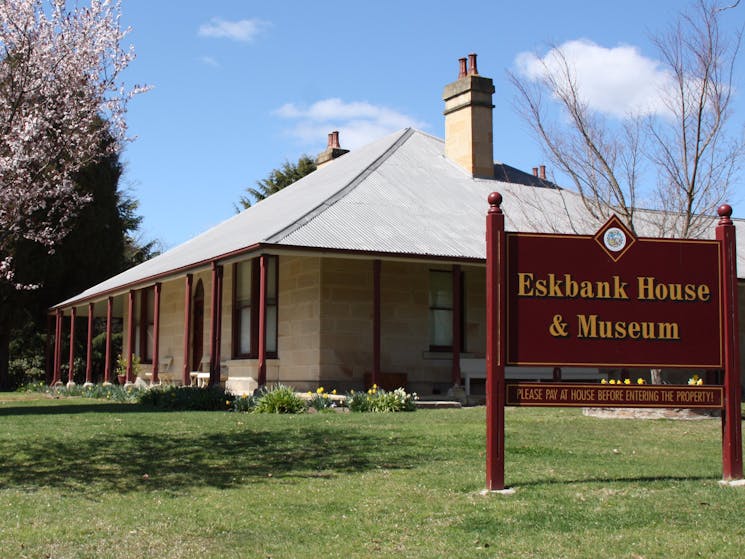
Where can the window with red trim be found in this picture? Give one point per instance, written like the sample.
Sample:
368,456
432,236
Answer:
246,308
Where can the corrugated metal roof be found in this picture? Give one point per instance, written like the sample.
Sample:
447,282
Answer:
398,195
255,225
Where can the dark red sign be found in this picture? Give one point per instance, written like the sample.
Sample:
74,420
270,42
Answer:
613,300
610,300
538,394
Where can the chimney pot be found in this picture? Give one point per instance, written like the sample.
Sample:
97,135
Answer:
543,172
472,70
332,151
535,171
463,71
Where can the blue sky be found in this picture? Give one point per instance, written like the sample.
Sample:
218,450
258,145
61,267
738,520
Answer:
239,86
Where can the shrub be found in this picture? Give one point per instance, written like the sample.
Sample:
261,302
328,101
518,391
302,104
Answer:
358,401
322,400
129,394
243,403
36,386
279,399
187,398
26,370
379,400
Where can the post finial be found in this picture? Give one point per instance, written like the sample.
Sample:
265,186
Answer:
495,200
725,213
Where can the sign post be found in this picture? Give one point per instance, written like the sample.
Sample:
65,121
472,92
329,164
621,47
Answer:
495,344
611,300
731,415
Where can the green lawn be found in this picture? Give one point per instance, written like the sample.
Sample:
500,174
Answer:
80,478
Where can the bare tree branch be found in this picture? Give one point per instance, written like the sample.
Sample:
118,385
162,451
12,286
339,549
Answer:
687,145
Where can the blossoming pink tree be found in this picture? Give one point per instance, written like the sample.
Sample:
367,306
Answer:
60,94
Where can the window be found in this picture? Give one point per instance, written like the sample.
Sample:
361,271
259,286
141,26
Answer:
246,308
440,310
242,309
144,339
271,306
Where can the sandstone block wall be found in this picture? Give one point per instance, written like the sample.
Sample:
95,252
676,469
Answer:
347,323
298,322
346,334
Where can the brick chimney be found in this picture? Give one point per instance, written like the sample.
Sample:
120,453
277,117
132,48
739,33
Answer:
332,151
469,139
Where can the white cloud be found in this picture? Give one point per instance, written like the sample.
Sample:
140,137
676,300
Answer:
617,81
243,30
209,61
358,122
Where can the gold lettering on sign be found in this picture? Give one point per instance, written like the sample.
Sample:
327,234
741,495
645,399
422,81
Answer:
594,395
566,286
649,289
530,393
592,327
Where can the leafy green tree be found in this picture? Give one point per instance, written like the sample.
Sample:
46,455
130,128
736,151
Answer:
136,249
102,242
277,180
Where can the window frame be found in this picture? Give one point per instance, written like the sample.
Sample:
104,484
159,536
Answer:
447,348
253,303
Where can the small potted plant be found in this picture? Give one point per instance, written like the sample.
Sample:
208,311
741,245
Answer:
121,368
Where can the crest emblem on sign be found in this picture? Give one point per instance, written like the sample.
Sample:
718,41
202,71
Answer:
615,238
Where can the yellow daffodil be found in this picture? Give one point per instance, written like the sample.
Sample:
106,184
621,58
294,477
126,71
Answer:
641,381
603,381
319,390
627,381
612,381
699,382
334,391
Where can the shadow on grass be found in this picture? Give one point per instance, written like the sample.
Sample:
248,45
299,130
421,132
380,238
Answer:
65,408
179,462
631,478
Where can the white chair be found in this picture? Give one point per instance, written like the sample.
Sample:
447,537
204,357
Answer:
201,376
